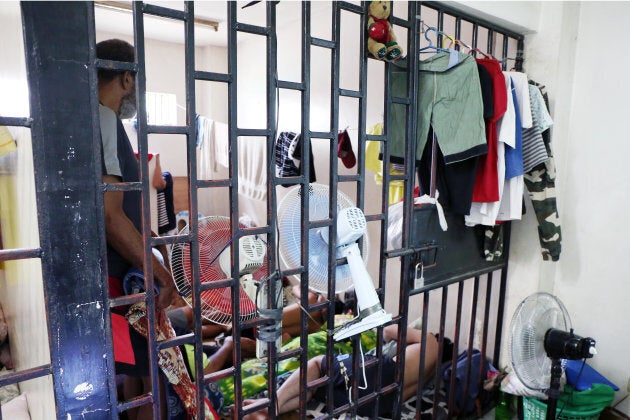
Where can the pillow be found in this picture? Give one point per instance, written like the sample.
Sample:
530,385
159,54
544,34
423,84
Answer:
16,409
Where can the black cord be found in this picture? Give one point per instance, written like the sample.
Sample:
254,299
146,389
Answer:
570,397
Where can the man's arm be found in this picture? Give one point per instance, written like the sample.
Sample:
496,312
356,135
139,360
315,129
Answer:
123,236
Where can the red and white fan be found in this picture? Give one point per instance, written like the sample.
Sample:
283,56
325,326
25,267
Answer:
215,264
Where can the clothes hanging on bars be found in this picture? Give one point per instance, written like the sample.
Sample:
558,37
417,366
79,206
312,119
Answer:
487,91
486,213
534,150
373,162
165,205
449,100
455,181
213,147
540,182
252,168
511,207
487,180
288,155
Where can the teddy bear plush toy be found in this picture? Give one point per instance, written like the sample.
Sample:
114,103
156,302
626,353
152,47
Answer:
381,40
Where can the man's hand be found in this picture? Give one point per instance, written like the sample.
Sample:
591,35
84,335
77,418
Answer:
164,280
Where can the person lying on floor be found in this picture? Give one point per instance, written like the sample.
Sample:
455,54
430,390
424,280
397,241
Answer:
288,395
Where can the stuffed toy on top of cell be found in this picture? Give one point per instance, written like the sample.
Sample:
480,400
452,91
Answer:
381,38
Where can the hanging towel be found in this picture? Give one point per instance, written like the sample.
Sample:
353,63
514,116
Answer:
373,163
205,146
252,170
221,145
7,143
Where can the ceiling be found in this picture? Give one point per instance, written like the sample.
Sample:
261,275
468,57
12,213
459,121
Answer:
121,22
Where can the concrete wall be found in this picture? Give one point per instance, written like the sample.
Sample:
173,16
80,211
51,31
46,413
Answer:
566,46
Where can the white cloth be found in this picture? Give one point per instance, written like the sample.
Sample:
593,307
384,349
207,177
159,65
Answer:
109,138
521,85
205,144
539,108
511,207
221,145
486,213
252,175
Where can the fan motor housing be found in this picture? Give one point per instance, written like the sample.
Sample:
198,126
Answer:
561,344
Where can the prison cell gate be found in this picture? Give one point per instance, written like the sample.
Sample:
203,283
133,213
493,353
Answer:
61,66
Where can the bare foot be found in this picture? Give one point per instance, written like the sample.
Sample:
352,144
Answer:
261,414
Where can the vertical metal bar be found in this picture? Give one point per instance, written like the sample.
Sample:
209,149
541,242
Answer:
441,348
423,352
141,83
458,31
507,228
458,320
520,49
475,38
305,199
505,52
490,48
411,142
191,153
272,91
232,39
486,320
66,138
471,333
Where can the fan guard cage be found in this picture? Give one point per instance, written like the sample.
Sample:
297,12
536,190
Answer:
216,304
290,239
532,318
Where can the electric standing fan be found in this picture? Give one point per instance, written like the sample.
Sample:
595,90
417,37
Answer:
215,264
541,336
351,226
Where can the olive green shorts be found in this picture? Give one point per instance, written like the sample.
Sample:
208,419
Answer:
449,100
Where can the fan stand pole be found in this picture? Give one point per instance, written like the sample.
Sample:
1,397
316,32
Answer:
554,388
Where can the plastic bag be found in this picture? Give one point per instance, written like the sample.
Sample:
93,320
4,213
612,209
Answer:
394,226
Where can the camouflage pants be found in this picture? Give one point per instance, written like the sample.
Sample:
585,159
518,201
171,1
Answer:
541,183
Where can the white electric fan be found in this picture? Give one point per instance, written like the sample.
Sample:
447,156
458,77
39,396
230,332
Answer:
215,264
540,338
351,226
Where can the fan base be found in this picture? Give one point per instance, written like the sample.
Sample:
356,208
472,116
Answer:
371,321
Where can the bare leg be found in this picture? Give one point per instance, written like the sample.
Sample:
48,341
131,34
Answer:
288,394
412,365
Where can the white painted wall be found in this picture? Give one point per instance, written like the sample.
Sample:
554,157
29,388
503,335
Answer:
575,49
591,140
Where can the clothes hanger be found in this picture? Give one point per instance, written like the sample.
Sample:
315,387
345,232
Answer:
431,47
477,50
454,42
